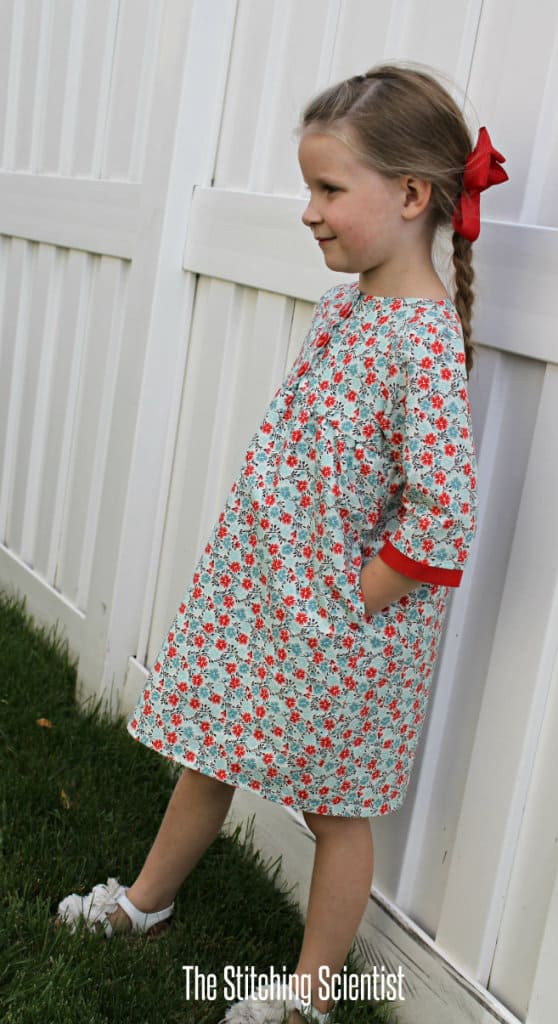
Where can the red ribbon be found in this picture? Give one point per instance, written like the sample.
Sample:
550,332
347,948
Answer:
482,169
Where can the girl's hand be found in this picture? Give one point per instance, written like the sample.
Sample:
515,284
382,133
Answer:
381,585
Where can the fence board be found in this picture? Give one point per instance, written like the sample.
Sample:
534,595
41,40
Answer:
504,441
95,41
526,930
96,216
510,38
543,1004
91,428
17,313
139,26
516,265
516,690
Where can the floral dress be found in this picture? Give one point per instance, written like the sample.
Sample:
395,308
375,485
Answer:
272,677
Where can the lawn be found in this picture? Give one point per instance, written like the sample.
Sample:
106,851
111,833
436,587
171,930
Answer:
79,802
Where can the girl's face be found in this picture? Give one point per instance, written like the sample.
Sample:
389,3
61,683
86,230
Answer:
356,215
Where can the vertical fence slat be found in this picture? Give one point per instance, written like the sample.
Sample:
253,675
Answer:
436,791
97,34
511,37
543,1004
42,356
16,324
509,720
528,910
131,86
74,284
93,421
56,94
12,70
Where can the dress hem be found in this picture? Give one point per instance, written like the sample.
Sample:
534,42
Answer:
288,803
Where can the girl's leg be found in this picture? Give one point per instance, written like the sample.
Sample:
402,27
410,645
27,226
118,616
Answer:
194,816
339,892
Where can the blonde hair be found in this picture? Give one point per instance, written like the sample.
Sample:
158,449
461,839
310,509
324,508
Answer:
405,122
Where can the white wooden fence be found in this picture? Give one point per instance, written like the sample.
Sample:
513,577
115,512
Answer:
155,285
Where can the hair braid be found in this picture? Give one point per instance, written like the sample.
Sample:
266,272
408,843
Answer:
464,295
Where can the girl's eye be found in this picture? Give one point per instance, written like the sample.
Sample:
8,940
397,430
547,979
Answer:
325,187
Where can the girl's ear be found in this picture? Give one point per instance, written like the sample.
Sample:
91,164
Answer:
417,196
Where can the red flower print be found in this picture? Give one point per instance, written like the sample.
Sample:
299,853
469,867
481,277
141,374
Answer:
334,461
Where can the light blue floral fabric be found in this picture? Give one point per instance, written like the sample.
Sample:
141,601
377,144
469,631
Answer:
272,678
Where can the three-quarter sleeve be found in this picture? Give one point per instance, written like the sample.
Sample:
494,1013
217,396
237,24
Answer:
431,445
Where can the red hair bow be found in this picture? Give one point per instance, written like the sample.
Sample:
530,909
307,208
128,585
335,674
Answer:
482,169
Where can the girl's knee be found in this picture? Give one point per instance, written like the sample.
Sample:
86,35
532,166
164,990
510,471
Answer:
190,776
326,824
321,824
314,821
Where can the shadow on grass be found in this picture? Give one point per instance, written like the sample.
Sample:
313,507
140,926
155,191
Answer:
79,802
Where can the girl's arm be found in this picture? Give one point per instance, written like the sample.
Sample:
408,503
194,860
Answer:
381,585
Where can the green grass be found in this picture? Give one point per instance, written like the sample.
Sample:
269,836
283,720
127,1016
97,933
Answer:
80,802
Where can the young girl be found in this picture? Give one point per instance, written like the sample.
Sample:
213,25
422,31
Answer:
300,662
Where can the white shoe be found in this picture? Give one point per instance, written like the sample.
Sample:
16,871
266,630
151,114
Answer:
94,909
260,1009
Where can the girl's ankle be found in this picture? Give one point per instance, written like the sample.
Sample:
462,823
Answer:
144,904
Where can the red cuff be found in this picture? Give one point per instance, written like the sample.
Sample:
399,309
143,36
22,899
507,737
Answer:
419,570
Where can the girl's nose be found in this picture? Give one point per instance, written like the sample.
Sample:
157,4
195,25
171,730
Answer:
311,215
